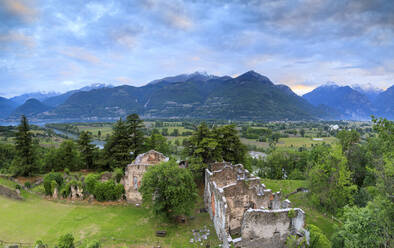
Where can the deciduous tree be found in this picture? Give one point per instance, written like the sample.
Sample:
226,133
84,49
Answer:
168,189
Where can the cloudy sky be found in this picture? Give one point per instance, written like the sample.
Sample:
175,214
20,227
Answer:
56,45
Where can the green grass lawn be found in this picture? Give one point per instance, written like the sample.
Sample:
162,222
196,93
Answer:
36,218
300,200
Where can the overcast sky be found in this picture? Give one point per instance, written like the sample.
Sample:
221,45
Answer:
49,45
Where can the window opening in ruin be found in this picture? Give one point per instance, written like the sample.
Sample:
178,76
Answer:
135,183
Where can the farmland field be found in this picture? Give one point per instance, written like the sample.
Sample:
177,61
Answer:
290,142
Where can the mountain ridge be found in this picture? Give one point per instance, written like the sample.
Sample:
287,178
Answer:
350,103
248,96
200,95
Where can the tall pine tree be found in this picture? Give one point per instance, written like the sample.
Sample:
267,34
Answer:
87,149
136,137
26,163
117,148
230,146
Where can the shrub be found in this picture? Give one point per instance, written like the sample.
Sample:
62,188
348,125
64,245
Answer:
90,182
48,180
317,238
67,171
18,187
296,174
53,186
64,192
28,185
292,213
66,241
39,244
93,244
118,174
108,191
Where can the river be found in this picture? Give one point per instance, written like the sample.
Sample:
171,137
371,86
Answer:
99,143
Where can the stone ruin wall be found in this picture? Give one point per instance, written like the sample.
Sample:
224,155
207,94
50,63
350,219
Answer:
10,193
136,170
241,206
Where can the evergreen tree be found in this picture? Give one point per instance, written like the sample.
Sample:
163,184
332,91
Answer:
68,156
117,149
87,149
202,144
230,146
157,142
135,134
26,163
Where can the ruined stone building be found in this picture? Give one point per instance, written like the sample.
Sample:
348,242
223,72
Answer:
135,171
244,212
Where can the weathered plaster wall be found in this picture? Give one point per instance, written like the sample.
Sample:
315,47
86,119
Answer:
269,228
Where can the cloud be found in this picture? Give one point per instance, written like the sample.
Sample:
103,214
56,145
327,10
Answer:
300,43
21,9
80,54
16,37
301,89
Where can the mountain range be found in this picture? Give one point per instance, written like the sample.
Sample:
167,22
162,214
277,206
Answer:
353,103
250,96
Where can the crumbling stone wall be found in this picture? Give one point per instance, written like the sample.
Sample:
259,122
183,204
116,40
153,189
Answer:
231,192
269,228
136,170
10,193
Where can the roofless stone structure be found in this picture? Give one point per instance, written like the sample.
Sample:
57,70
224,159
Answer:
244,212
135,171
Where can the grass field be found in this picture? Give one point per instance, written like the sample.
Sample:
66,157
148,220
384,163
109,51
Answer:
105,130
116,226
290,142
313,216
43,141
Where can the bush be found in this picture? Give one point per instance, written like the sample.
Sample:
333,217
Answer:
39,244
296,174
67,171
93,244
292,213
317,238
18,187
53,186
118,174
66,241
53,176
108,191
90,182
27,185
